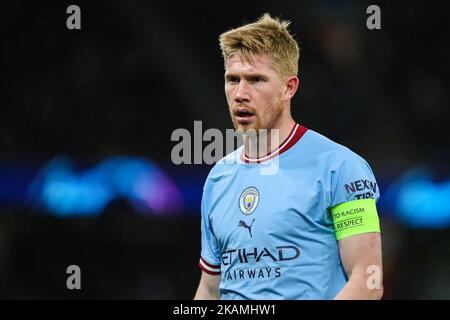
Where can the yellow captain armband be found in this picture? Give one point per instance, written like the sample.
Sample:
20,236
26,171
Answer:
355,217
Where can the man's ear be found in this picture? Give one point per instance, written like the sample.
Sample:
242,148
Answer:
292,84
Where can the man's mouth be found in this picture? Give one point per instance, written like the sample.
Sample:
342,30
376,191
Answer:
243,115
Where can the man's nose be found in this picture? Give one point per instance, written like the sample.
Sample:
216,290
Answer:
242,92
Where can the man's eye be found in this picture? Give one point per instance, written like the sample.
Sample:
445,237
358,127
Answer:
233,80
255,80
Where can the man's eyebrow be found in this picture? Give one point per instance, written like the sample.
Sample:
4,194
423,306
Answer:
247,76
256,75
231,76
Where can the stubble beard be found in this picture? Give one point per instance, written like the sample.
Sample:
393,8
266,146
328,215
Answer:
272,116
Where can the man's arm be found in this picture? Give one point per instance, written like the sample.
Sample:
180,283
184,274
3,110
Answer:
208,289
361,258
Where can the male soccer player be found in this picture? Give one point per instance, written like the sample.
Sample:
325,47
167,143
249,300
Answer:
308,231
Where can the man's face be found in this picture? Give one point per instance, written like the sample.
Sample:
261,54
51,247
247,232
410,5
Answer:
254,92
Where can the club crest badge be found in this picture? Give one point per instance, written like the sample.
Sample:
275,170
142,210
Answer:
248,201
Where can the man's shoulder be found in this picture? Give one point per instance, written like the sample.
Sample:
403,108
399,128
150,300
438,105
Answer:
321,146
225,166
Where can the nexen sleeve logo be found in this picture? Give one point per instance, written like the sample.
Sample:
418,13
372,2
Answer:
361,185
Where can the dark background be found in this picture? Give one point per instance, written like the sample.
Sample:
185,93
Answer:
138,70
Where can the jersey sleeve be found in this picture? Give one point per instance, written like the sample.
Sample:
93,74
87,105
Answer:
354,195
210,253
353,180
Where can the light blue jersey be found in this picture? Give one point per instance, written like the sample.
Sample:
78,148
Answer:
271,236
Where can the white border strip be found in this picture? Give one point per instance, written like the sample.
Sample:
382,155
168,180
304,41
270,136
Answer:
276,151
204,265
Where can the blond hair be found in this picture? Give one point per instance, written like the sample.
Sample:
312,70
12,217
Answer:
267,35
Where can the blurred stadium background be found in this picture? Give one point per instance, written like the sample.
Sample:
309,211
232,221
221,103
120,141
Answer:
86,118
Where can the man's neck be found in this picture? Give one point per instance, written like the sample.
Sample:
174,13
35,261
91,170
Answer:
267,141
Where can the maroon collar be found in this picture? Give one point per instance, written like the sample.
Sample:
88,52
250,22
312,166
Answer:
295,135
